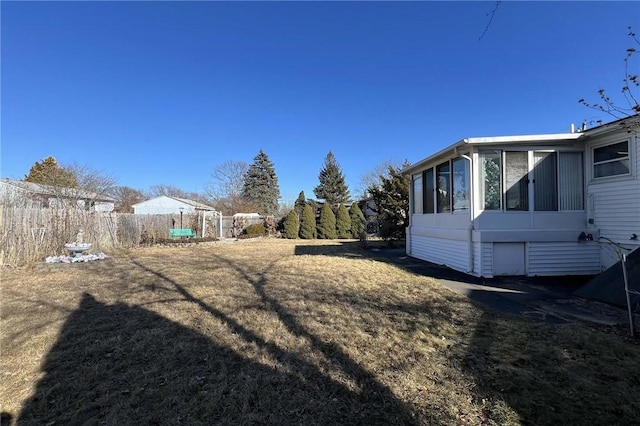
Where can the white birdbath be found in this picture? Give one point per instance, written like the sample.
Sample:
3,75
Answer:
78,246
77,249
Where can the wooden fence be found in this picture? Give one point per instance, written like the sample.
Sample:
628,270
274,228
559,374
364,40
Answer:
32,234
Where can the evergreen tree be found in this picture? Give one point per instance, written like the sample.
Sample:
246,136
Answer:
49,172
261,185
327,223
358,222
291,225
299,204
392,203
308,224
332,188
343,222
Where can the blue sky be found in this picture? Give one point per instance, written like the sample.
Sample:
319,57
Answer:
162,92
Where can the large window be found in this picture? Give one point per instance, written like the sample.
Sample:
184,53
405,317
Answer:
443,188
545,179
429,192
556,177
516,181
611,160
460,184
491,184
417,193
571,181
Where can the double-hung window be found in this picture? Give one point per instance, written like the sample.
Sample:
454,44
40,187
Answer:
611,160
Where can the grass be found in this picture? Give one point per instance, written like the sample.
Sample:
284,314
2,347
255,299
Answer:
290,332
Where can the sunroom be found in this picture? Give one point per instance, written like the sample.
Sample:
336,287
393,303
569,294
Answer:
509,205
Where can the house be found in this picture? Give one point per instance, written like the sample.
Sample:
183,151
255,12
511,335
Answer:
170,205
534,205
17,193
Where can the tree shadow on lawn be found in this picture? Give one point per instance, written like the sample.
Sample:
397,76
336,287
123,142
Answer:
120,364
552,374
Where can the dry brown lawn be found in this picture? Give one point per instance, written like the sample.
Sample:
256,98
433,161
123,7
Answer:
289,332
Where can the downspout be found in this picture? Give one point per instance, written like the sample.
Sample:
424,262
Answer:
471,210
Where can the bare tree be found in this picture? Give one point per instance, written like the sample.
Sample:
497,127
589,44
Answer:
70,186
95,182
168,190
125,197
373,178
226,187
628,105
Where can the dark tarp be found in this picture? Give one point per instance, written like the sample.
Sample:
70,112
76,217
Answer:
609,285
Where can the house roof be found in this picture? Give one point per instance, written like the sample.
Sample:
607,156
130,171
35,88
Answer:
493,140
50,190
626,122
196,205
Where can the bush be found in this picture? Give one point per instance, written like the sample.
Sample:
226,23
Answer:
255,230
343,223
358,222
327,223
308,223
291,225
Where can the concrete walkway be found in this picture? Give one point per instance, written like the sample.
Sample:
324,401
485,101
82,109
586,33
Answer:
549,300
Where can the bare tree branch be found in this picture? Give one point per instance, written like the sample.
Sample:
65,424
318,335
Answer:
493,13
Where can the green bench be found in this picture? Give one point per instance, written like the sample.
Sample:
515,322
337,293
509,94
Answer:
181,232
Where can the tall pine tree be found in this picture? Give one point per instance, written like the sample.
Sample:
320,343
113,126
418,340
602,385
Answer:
332,188
343,222
261,185
49,172
392,203
298,207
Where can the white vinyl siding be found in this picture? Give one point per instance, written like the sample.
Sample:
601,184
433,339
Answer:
487,260
452,253
477,259
564,258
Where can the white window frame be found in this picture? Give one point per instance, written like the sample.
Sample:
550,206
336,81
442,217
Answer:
595,163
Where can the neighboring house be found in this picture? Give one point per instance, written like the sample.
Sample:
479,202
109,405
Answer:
369,210
170,205
17,193
528,205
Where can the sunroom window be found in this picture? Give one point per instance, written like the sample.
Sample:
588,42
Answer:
460,184
443,189
491,170
417,193
611,160
556,180
429,191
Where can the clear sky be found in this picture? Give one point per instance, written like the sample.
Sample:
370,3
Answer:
162,92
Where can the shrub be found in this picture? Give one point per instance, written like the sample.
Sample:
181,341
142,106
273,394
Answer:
327,223
343,223
255,230
358,222
308,223
291,225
